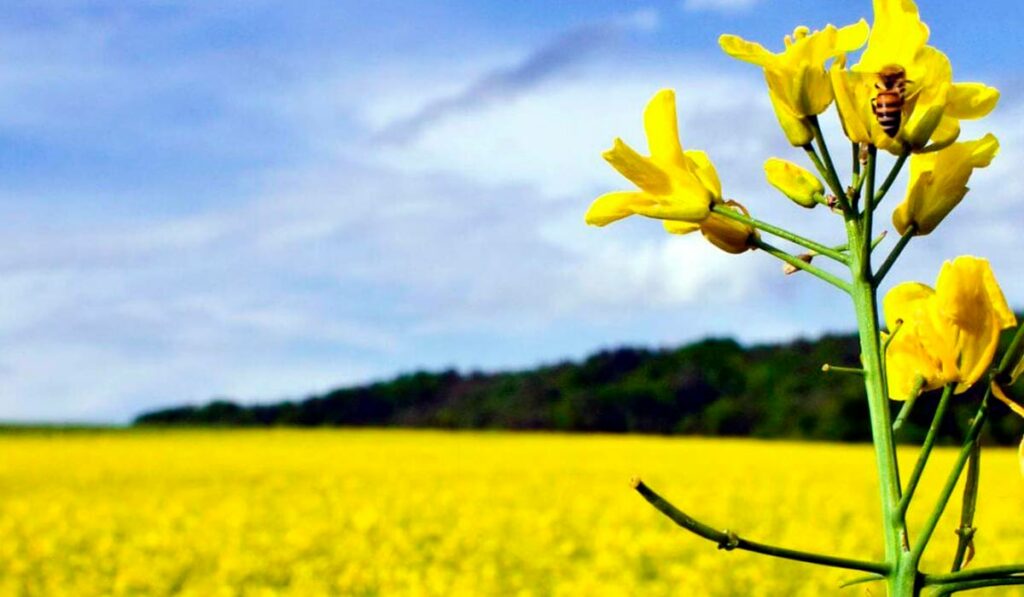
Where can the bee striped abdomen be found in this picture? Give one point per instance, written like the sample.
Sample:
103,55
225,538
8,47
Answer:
888,103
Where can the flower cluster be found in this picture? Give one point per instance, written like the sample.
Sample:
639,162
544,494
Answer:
945,335
896,99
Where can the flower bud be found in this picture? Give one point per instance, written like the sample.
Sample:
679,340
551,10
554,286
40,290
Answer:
728,234
794,182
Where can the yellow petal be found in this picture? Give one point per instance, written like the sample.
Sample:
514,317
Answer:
662,130
967,316
998,392
677,227
637,168
747,51
852,101
968,101
896,35
851,37
905,302
907,359
611,207
700,165
1004,315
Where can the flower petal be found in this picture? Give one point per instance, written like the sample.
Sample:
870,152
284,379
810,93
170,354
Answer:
905,302
677,227
966,316
662,128
611,207
851,37
968,101
852,101
637,168
896,35
747,51
998,392
701,166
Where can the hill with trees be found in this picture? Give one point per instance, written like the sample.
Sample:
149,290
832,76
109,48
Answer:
714,387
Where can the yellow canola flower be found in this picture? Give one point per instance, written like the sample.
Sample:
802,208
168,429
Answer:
947,334
938,182
677,186
798,83
793,181
933,104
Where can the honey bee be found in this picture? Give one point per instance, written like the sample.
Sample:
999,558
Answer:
888,102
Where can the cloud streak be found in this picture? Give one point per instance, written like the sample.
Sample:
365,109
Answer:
540,66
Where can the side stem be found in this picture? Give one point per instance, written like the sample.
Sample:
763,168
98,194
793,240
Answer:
729,541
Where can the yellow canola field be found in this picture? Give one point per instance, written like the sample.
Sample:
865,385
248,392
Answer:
342,512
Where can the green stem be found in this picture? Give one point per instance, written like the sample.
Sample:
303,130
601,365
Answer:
926,450
954,476
891,178
827,368
965,533
979,584
975,574
965,452
781,233
800,264
895,254
909,402
867,216
1011,351
902,582
881,427
729,541
828,169
855,164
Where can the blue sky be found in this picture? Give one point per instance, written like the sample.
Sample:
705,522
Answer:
267,199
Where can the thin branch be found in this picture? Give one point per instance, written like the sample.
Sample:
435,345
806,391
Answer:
926,449
894,255
951,480
979,584
828,169
891,178
965,533
729,541
987,573
800,264
908,403
965,451
861,580
781,233
869,201
829,368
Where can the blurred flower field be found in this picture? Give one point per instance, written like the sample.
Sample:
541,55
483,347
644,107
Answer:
431,513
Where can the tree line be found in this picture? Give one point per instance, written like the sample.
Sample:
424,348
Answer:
715,387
